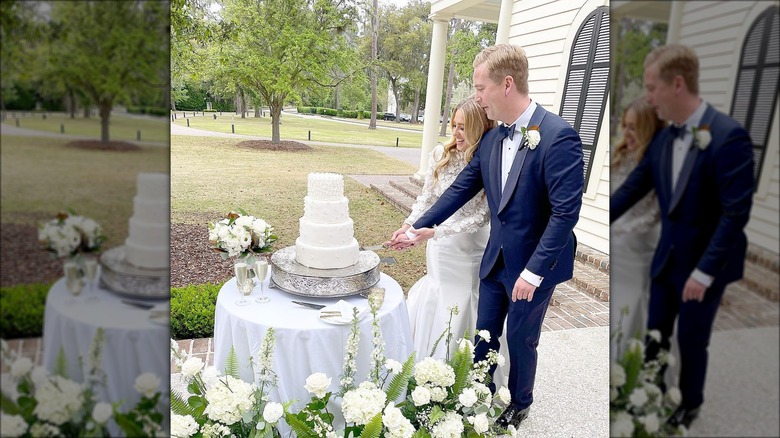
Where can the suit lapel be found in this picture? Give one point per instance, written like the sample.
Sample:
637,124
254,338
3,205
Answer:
517,164
495,163
666,165
690,159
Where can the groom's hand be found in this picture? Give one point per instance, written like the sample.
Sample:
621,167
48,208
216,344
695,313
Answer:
523,290
693,290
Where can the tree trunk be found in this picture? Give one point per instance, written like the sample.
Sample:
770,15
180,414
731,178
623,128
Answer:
275,106
71,103
336,103
374,36
105,117
450,78
416,112
394,83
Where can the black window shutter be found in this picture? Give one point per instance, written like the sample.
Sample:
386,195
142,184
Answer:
757,83
587,82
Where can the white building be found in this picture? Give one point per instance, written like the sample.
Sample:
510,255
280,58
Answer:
567,43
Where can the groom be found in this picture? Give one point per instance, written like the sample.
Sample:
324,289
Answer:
701,168
532,171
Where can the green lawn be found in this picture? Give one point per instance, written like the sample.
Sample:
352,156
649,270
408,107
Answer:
322,129
121,127
212,176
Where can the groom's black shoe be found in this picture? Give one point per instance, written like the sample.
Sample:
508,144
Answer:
683,417
512,416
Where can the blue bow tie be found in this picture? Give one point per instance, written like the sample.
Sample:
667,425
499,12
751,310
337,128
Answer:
677,131
507,131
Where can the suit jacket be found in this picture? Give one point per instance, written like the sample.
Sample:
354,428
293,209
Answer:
532,220
703,217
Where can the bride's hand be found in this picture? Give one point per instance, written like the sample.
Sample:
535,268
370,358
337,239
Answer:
400,232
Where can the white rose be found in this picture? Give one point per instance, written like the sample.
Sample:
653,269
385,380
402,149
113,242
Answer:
393,366
318,384
192,366
703,138
12,425
617,375
183,426
504,395
622,425
101,412
210,376
481,423
650,422
468,397
21,367
674,395
635,345
421,396
655,335
39,375
244,221
273,412
484,334
147,384
467,345
533,137
638,397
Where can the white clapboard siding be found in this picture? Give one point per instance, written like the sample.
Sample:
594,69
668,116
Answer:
718,32
547,30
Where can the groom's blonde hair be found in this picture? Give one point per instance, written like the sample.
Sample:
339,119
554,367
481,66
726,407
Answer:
676,60
504,60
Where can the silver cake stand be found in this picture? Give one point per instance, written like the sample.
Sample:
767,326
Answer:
295,278
117,275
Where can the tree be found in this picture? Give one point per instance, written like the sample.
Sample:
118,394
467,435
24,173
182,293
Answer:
109,50
21,32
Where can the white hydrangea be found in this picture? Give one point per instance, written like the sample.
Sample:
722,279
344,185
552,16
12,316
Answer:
638,397
396,425
654,335
449,426
421,396
363,403
39,375
393,366
617,375
41,430
468,397
210,376
183,426
215,430
228,399
273,412
622,425
434,371
58,399
12,425
484,334
438,394
21,366
650,421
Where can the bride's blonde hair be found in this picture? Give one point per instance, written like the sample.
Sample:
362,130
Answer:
476,123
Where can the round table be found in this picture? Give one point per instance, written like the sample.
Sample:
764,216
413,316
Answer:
133,343
304,344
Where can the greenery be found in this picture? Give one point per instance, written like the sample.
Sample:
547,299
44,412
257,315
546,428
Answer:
123,127
21,308
192,311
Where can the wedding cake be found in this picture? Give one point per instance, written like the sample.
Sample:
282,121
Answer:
327,235
147,244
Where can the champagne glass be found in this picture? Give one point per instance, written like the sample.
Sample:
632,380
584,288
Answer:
261,270
90,269
242,277
73,280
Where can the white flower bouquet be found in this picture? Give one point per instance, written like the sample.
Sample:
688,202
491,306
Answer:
242,235
70,234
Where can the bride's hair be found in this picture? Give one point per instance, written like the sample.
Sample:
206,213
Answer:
475,123
647,124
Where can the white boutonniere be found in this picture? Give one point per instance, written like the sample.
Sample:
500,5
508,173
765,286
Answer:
701,136
532,136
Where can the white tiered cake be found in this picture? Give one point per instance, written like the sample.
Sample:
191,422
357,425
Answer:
147,244
327,236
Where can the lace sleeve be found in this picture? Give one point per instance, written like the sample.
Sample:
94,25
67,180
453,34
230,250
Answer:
428,195
470,218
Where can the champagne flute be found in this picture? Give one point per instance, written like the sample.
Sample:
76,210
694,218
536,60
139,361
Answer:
90,269
261,270
73,280
242,277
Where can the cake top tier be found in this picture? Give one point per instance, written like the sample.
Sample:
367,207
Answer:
154,185
326,186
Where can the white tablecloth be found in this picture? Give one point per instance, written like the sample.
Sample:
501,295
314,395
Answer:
304,343
133,343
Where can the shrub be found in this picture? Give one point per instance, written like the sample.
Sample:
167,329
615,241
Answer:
192,311
329,112
365,114
22,310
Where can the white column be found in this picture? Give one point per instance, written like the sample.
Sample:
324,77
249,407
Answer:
675,23
433,92
504,21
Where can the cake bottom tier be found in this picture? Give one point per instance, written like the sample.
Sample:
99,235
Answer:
327,257
147,256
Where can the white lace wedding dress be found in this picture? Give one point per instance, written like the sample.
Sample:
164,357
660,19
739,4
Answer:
453,257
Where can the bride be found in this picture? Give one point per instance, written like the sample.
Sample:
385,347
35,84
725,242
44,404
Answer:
454,253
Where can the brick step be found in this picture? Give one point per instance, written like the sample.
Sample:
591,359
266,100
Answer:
410,189
761,280
593,257
399,199
763,257
417,180
590,280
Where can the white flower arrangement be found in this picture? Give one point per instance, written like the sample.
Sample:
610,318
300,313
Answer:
69,234
44,404
702,136
532,136
242,235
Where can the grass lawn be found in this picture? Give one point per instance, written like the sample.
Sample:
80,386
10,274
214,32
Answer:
121,127
295,127
40,176
212,176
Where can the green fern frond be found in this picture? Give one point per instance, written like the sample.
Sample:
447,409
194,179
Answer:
462,365
399,382
231,364
180,406
61,364
300,429
374,427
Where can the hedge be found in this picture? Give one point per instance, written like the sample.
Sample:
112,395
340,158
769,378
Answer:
21,308
192,310
148,110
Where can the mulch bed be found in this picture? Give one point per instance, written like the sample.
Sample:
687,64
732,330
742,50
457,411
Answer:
23,259
287,146
96,145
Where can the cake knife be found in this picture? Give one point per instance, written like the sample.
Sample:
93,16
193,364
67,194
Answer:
309,305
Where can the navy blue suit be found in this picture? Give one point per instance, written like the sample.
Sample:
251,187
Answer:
531,225
702,226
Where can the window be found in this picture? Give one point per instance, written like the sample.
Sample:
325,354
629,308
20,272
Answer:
757,82
587,82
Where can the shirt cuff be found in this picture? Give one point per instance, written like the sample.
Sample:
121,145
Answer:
531,277
409,233
702,278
